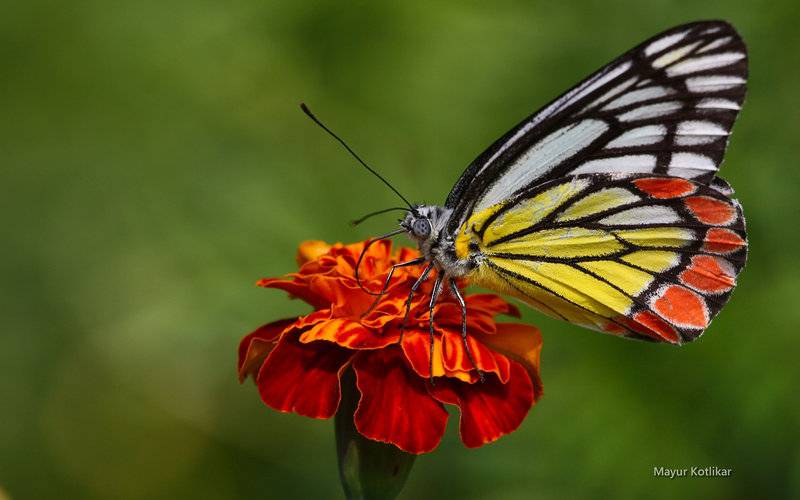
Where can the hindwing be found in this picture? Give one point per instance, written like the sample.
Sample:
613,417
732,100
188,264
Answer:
647,256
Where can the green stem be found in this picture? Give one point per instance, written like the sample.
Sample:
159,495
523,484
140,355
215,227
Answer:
369,470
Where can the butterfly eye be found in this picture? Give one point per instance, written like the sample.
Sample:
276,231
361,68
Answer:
421,228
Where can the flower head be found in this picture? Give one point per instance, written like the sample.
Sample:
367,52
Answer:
297,363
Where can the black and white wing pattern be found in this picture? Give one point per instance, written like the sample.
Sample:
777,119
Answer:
665,107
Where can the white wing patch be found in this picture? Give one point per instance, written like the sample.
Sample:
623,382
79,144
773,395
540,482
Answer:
637,96
664,42
629,164
651,111
690,165
713,83
719,42
695,132
542,157
651,214
717,103
703,63
641,136
610,94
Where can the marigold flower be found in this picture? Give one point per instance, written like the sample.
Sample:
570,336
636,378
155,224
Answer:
297,363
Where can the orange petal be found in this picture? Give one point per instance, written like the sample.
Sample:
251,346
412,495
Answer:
311,250
456,358
478,320
417,348
350,334
296,288
521,343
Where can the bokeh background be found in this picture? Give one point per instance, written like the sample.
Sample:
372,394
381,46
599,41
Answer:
155,164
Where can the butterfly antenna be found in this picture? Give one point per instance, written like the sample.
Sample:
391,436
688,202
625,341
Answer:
358,221
349,150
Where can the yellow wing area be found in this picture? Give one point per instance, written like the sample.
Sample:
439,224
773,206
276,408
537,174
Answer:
591,251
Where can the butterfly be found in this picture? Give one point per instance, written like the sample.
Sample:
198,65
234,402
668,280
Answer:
604,208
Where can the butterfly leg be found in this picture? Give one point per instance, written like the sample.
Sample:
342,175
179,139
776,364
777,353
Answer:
437,289
463,304
422,278
389,279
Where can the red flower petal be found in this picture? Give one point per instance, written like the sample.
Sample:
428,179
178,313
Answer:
303,378
488,410
395,407
254,348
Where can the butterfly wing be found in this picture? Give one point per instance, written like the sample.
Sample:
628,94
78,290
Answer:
665,107
646,256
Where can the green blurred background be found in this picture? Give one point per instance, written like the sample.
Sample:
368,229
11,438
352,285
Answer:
155,164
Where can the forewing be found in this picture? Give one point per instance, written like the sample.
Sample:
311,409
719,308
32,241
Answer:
666,107
647,256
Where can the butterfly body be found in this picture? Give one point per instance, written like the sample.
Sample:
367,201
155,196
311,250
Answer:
427,225
604,208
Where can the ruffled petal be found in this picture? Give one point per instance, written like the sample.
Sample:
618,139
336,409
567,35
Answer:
254,347
313,318
488,410
296,288
385,312
456,358
522,343
395,407
350,334
449,314
303,378
343,300
417,350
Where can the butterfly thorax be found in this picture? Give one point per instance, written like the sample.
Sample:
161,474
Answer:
427,225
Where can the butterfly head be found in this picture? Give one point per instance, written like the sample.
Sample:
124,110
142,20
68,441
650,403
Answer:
425,222
417,223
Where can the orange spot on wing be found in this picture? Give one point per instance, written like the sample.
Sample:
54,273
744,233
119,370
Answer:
647,323
682,307
614,328
662,188
709,274
710,210
722,241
